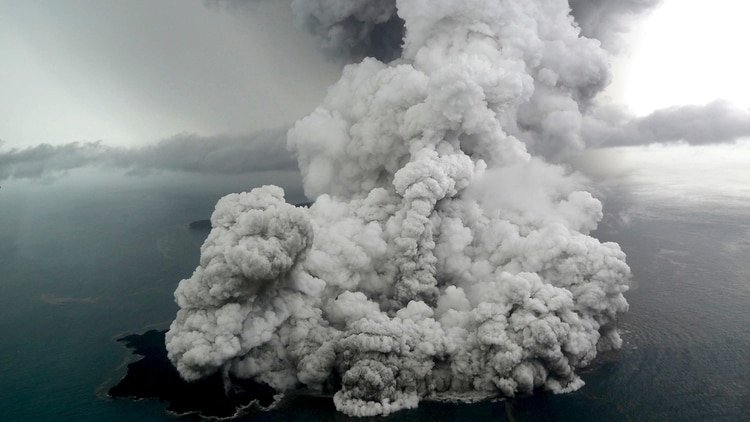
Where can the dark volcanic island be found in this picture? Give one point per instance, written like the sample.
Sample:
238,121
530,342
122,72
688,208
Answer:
154,377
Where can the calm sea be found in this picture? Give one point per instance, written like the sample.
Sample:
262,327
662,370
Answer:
87,259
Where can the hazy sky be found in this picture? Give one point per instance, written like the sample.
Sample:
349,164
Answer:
686,52
132,72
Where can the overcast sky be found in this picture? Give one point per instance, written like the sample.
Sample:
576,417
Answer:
135,73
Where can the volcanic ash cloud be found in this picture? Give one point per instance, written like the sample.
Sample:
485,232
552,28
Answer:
440,257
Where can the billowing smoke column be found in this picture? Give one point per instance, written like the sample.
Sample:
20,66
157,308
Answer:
352,29
440,258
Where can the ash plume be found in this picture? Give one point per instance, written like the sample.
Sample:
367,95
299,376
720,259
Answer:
353,29
443,255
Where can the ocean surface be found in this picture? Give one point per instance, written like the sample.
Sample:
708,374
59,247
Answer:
85,260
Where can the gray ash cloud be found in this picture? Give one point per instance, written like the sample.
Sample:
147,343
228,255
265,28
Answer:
443,255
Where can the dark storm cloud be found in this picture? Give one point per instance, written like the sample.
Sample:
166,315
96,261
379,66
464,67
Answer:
716,122
221,154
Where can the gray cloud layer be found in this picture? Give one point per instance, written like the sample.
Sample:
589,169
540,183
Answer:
716,122
713,123
221,154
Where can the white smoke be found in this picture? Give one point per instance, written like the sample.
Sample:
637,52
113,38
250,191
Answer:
440,257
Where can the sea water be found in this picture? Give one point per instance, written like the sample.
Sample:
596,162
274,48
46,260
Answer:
89,258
